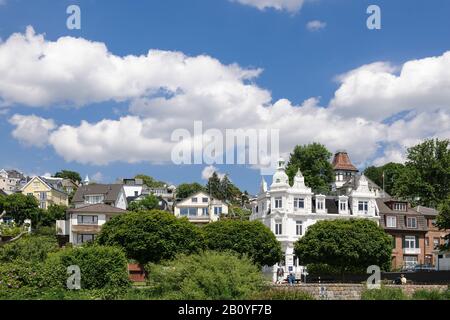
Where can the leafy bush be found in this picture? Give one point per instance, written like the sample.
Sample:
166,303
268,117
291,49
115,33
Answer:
277,294
10,229
22,273
151,236
30,247
383,294
101,267
246,238
45,231
208,275
55,294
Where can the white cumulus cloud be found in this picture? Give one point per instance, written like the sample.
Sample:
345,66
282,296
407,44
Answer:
316,25
379,90
32,130
168,90
208,171
288,5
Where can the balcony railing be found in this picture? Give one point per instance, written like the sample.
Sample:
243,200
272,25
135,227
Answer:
411,250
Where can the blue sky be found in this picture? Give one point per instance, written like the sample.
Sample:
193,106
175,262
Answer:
298,64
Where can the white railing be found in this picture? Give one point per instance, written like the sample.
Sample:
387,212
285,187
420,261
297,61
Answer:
411,250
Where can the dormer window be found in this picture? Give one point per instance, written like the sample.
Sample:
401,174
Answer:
320,204
398,206
411,222
363,207
94,199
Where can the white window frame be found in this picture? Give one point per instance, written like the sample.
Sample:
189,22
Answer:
398,206
389,220
410,226
278,228
278,202
94,198
83,219
365,206
299,203
320,204
410,240
299,228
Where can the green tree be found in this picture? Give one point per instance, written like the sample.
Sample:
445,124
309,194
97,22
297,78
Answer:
150,181
214,187
443,221
391,171
314,162
347,245
151,236
67,174
246,238
207,275
150,202
54,212
185,190
21,207
426,178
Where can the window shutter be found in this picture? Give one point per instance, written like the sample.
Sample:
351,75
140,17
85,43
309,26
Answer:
417,242
404,242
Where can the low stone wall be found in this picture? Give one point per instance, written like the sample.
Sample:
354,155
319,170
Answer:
337,291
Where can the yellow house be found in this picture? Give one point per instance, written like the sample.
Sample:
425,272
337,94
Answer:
47,191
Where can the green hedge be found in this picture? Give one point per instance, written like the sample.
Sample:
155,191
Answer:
281,294
100,266
384,294
208,275
30,248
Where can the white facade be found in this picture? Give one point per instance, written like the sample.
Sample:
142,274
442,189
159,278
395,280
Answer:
121,201
9,184
200,208
76,236
290,210
443,261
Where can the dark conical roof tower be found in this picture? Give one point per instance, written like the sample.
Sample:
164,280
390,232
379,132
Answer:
342,161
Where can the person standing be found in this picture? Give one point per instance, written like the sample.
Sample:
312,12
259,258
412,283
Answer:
403,279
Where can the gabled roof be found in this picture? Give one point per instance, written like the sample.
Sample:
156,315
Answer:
51,183
98,208
353,183
342,161
110,191
427,211
69,183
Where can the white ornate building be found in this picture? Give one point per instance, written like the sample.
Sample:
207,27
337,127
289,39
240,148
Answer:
290,210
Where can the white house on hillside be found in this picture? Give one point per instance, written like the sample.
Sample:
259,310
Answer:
94,205
200,208
290,210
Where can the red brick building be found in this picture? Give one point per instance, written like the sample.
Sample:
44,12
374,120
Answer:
434,237
408,227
